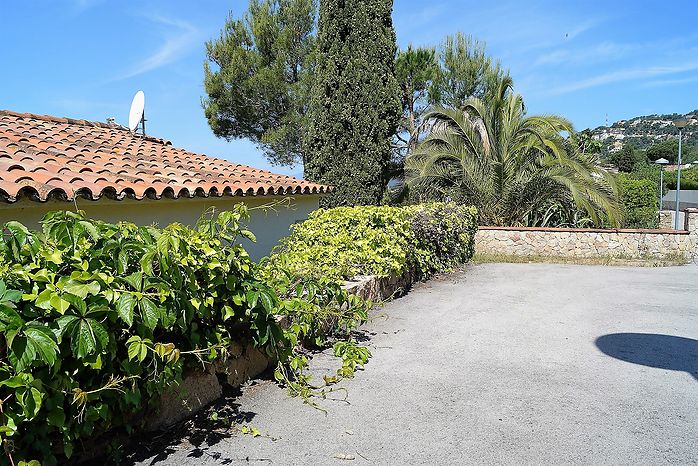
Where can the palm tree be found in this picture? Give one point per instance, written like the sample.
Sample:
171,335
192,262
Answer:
509,165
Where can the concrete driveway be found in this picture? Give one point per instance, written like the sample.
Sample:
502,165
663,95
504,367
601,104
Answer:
499,364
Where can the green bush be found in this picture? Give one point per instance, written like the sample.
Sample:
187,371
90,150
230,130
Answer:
97,320
689,179
640,198
346,242
443,236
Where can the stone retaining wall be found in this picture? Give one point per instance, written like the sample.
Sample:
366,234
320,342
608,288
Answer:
591,243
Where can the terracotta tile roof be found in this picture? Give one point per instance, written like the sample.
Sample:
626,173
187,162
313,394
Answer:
45,157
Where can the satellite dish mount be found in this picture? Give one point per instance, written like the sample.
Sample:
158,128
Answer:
136,117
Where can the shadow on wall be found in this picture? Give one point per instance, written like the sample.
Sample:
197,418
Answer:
652,350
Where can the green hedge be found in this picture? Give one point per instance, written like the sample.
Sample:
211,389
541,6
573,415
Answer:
346,242
640,198
689,179
97,320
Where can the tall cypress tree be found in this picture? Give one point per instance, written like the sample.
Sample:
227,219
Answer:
355,101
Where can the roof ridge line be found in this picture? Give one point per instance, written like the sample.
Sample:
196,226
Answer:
80,122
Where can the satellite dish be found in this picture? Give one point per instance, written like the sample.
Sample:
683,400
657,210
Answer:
137,116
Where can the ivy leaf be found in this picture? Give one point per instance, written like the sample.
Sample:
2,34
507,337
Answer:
9,296
137,348
122,261
34,340
56,417
64,325
147,262
18,231
149,312
90,229
125,306
252,297
81,289
58,303
43,300
44,342
9,319
22,353
267,300
30,401
87,337
135,280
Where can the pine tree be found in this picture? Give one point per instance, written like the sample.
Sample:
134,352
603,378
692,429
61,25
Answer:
355,101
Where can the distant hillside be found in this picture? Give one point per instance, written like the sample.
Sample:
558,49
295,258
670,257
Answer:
643,131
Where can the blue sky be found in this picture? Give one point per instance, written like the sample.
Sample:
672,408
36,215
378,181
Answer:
583,60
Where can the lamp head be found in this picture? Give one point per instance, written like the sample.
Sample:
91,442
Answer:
661,162
681,123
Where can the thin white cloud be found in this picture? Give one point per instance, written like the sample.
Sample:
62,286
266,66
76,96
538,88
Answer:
177,42
670,82
605,51
622,76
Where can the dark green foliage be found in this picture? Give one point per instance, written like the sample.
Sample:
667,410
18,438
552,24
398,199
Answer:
689,179
669,149
443,236
355,105
97,320
640,198
345,242
625,159
105,317
258,75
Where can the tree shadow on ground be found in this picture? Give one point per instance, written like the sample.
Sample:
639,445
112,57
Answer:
197,434
652,350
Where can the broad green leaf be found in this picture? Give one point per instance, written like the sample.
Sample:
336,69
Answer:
31,402
76,301
149,312
124,307
122,261
135,280
267,300
58,303
81,289
137,348
56,417
90,229
9,319
252,297
83,340
64,325
100,334
44,342
18,231
22,352
43,300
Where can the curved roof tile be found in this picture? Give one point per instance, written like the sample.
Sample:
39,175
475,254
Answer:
46,157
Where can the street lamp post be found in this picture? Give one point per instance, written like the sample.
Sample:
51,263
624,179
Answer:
680,124
661,162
